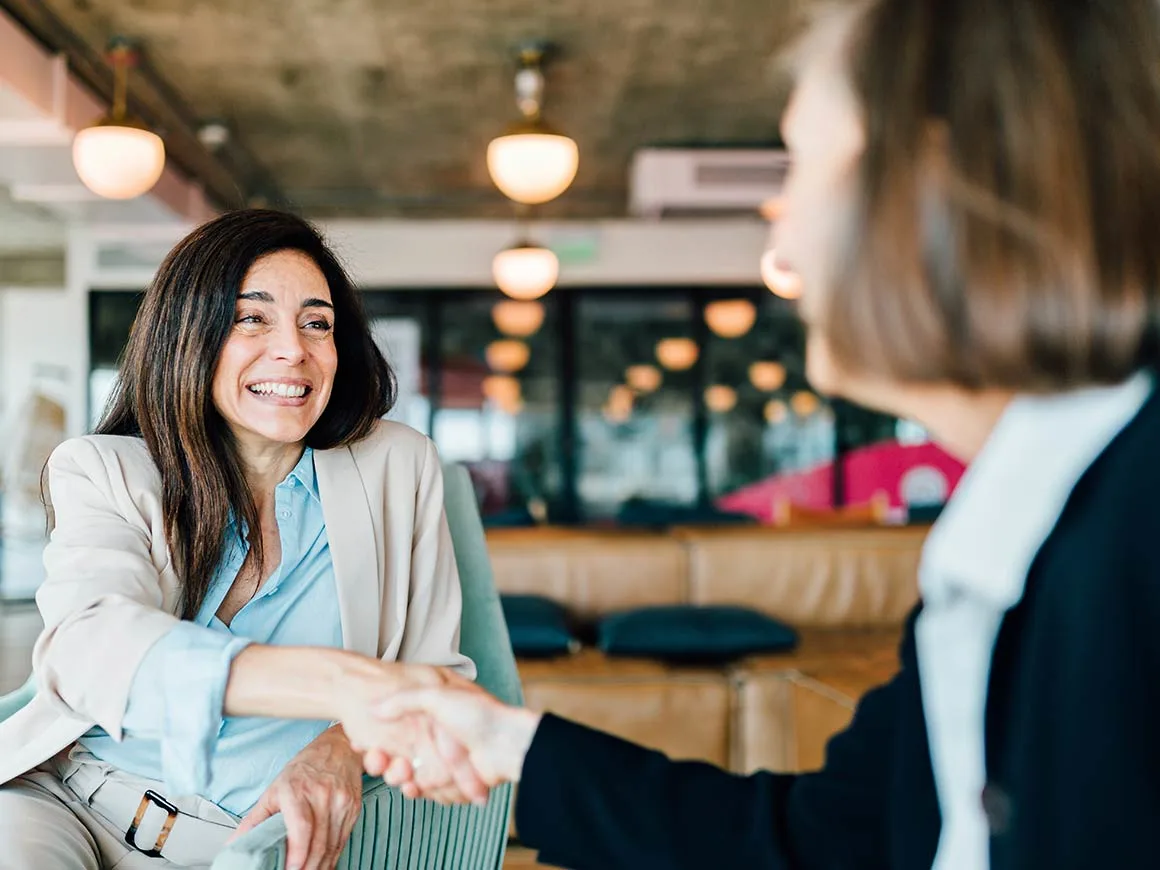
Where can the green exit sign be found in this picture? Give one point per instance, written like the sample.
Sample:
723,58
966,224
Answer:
575,248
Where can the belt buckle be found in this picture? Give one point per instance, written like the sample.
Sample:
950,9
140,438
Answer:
152,797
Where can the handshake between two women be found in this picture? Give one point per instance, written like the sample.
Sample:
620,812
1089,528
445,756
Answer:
435,735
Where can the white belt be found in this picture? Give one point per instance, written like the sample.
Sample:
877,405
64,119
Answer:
151,824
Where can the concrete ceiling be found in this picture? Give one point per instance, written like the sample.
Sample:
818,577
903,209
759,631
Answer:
385,107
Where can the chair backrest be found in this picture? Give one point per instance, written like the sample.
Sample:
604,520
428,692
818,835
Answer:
13,701
393,833
483,635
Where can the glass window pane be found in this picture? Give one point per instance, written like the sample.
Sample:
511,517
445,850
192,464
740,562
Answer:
770,436
498,404
634,414
399,324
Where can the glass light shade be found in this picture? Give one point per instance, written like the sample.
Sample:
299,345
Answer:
804,403
720,399
507,355
511,407
776,411
525,271
771,208
767,376
643,378
677,354
731,318
621,396
517,319
118,161
618,408
781,282
533,166
502,389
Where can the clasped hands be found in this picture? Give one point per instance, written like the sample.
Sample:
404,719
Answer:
437,735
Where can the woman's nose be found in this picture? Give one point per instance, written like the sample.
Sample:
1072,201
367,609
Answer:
286,343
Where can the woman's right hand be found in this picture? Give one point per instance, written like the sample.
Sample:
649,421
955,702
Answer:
469,726
440,768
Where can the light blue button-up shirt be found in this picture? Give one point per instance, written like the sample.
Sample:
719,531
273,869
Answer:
174,728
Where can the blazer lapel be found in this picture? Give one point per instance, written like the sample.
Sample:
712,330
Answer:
350,531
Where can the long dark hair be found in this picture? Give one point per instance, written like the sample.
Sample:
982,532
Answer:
164,390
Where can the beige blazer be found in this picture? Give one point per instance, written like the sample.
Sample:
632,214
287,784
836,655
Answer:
110,591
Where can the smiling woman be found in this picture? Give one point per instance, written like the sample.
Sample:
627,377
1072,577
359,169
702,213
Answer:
280,354
244,554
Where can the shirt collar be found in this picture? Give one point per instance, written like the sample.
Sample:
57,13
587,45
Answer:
304,472
1014,491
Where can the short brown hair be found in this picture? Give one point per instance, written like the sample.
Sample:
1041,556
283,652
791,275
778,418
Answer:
1006,232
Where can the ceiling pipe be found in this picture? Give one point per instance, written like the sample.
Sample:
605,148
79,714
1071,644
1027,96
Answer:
230,175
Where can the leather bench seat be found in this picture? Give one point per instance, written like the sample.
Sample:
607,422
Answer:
846,591
591,574
785,718
810,577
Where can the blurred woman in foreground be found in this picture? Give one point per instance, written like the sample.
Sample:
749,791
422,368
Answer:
973,211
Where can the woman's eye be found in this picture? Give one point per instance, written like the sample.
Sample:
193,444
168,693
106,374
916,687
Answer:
318,325
249,318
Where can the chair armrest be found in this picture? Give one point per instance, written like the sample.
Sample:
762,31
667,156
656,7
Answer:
393,832
263,848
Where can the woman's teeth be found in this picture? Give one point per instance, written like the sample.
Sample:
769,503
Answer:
287,391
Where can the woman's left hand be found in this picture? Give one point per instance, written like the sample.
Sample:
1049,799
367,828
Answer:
320,795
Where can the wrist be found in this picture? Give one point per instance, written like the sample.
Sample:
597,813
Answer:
517,731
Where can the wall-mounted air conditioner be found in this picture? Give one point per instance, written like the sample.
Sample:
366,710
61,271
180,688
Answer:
667,182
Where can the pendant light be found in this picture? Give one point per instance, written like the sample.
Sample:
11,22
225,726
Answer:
730,318
507,355
532,163
720,399
525,270
677,354
643,378
119,157
766,375
518,319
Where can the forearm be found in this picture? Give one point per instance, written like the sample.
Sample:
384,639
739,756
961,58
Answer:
589,800
300,682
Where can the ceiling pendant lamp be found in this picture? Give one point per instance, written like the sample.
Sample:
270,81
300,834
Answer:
720,399
731,318
643,378
677,354
119,157
804,403
767,376
503,390
525,271
619,406
517,319
776,412
507,355
532,163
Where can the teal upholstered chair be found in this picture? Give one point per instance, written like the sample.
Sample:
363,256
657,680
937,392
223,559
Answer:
9,704
394,832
